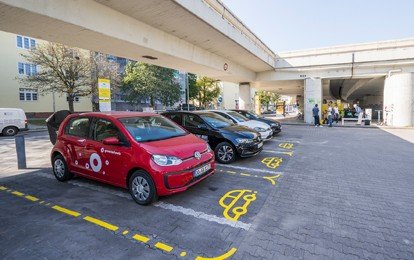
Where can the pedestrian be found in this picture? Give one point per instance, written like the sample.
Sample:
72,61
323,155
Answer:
315,112
358,112
336,112
330,113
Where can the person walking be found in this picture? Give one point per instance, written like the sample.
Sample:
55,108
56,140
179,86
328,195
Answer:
315,112
336,113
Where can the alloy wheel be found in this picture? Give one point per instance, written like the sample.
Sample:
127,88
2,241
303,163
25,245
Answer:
141,188
225,153
59,168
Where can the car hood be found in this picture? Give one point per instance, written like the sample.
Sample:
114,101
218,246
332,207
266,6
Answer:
181,146
254,123
268,121
241,130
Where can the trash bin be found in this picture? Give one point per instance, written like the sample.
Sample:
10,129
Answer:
53,123
367,122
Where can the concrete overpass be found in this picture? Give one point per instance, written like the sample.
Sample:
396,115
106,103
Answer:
204,37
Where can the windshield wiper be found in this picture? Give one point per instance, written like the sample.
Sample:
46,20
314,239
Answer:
163,138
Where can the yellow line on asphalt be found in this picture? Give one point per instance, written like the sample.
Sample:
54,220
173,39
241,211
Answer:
245,174
125,232
183,253
221,257
66,211
141,238
3,188
17,193
42,202
101,223
231,172
164,247
31,198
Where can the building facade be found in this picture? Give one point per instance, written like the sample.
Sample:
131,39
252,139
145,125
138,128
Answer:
15,95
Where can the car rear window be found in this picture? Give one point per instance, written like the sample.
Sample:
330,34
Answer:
78,127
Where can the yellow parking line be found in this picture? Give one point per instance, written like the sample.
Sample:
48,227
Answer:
17,193
101,223
31,198
141,238
221,257
42,202
245,174
125,232
231,172
3,188
183,253
66,211
164,247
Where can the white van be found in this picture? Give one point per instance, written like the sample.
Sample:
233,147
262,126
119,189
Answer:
12,120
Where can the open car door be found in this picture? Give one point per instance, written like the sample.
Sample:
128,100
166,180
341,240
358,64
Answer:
53,123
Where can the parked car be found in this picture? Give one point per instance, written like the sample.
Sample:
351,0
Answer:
12,120
275,125
227,139
143,152
264,129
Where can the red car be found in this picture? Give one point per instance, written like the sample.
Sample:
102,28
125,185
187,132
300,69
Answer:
143,152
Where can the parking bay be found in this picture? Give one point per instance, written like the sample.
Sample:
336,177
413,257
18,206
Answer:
194,222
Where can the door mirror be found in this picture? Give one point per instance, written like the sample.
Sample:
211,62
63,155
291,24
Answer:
111,141
202,127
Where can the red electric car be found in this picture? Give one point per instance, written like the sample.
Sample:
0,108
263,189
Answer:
143,152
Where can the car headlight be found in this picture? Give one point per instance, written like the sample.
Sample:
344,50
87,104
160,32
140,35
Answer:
273,124
244,140
166,160
259,129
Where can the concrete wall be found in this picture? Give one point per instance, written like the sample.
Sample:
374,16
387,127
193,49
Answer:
9,86
313,95
230,93
399,99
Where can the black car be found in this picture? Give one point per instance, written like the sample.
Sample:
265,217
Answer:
275,125
226,139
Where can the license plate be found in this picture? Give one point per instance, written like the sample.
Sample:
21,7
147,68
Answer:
202,170
259,145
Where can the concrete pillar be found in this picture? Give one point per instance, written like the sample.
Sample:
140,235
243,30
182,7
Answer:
312,96
399,99
245,100
257,105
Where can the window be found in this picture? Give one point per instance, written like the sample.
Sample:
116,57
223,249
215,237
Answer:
26,69
192,121
20,68
25,42
175,117
78,127
27,94
19,41
104,129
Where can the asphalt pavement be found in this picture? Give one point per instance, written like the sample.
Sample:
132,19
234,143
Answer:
313,193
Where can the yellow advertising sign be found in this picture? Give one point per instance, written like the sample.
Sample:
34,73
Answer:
104,93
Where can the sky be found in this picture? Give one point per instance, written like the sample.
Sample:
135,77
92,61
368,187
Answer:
287,25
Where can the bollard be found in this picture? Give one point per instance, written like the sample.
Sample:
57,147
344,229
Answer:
21,151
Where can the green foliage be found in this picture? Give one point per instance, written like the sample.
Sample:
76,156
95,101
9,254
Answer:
208,90
266,98
146,81
192,86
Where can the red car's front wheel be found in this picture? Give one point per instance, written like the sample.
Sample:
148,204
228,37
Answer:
142,188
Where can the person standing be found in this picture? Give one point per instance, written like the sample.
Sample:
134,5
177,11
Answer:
315,112
336,112
358,111
330,115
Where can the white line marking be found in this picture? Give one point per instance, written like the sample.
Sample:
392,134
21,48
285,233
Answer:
160,204
278,152
247,169
286,141
202,215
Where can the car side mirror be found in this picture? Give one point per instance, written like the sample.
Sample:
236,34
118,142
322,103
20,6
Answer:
111,141
202,127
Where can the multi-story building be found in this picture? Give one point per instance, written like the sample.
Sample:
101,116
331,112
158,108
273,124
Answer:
13,94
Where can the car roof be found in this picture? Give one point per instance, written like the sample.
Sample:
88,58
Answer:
117,114
188,112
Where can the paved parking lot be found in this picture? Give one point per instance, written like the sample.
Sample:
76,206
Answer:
313,193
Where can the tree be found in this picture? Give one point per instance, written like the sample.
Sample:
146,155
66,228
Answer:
208,90
63,70
192,86
264,98
146,81
102,67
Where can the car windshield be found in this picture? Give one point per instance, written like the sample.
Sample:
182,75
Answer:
216,120
237,116
151,128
